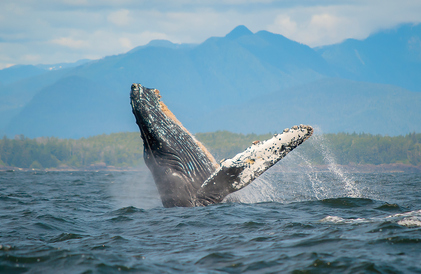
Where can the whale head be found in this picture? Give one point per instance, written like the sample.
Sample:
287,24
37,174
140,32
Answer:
147,111
178,162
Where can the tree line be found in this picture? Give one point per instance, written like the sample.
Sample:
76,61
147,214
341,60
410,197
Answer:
126,149
117,149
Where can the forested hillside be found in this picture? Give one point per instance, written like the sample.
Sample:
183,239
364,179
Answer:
125,149
118,149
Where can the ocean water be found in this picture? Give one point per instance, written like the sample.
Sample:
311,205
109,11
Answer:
286,222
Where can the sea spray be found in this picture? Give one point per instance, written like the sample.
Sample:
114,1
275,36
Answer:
136,189
297,178
262,190
319,142
317,185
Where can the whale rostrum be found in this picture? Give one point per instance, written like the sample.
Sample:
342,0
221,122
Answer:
184,171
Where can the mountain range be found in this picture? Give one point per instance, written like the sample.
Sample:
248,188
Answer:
243,82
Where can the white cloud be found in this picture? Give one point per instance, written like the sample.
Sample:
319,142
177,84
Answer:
120,18
283,24
322,25
70,42
324,21
125,43
32,58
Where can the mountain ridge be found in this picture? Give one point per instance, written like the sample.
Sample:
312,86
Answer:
199,81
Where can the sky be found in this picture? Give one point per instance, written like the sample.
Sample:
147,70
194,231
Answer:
56,31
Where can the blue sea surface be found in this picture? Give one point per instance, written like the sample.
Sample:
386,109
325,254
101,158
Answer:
285,222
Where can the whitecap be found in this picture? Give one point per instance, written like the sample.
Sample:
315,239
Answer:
340,220
406,214
410,222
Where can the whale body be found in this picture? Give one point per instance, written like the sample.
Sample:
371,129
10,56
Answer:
184,171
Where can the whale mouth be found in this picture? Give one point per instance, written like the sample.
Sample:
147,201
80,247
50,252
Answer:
135,97
135,91
143,99
145,108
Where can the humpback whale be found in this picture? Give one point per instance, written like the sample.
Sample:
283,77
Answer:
184,171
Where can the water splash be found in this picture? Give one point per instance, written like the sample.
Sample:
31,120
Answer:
134,189
318,187
319,142
296,178
260,191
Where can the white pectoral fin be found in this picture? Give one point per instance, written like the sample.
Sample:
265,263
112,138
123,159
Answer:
239,171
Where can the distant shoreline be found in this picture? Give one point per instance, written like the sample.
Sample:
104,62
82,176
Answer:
124,151
353,168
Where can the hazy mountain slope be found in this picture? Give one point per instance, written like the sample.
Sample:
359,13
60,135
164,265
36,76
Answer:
390,57
192,79
334,105
284,54
16,95
18,72
68,108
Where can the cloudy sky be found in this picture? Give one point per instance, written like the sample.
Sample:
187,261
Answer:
54,31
